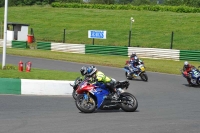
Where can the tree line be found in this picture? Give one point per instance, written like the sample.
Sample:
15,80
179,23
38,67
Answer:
191,3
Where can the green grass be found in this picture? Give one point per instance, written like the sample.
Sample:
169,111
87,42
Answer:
153,65
150,29
37,74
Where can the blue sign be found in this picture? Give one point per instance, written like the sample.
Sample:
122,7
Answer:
97,34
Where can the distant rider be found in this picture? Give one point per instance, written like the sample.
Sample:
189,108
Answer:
186,70
132,64
99,78
133,55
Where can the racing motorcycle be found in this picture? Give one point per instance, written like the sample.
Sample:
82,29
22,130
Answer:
135,73
194,76
93,97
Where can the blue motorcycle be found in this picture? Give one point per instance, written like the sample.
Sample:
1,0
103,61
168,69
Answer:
194,76
93,97
132,73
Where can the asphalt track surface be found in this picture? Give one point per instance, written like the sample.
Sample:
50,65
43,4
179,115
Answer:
165,105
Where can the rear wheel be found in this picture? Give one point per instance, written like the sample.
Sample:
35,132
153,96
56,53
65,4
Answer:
129,102
198,81
86,105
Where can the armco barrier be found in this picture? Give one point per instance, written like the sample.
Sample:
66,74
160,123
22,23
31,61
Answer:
19,44
190,55
155,53
8,45
71,48
44,45
106,50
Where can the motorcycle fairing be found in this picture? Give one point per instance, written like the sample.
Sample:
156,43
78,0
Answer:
100,94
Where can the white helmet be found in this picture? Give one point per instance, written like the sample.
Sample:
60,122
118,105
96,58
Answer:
186,64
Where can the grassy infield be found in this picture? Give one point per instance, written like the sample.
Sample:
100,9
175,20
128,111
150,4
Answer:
150,29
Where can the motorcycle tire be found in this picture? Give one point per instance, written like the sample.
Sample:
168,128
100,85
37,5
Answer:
85,106
127,77
198,81
144,77
74,94
129,102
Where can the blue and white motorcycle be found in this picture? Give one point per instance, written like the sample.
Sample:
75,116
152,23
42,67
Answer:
132,73
194,76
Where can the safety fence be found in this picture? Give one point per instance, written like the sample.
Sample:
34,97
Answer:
106,50
155,53
19,44
70,48
44,45
190,55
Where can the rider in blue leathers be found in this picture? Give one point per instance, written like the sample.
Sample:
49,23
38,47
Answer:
132,65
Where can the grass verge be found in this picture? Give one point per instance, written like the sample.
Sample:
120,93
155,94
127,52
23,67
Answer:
12,72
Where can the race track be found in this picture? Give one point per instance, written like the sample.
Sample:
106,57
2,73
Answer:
165,105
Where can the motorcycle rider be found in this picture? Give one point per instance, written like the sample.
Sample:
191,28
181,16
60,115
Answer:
99,78
186,71
133,55
83,70
84,74
132,64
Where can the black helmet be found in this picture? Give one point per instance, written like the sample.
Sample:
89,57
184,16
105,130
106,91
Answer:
91,70
83,70
133,54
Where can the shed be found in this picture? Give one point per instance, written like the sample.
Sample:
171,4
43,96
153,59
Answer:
17,31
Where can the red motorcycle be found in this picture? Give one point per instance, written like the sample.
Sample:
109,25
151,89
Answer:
92,97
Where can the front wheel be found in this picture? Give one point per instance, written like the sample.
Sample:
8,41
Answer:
129,102
128,77
74,94
85,104
144,77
